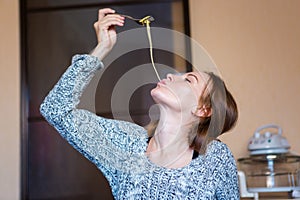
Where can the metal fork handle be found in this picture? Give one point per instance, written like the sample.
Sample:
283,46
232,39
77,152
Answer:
129,17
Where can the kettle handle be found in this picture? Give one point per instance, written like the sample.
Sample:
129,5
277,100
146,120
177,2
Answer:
269,126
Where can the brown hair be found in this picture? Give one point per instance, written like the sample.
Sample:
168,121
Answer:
223,116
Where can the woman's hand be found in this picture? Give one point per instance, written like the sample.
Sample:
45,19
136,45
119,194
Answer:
106,32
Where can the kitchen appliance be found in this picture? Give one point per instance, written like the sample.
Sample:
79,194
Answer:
270,166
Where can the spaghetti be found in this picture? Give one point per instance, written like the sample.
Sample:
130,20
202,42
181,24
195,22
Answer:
146,21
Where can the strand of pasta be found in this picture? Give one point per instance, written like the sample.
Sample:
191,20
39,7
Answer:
151,48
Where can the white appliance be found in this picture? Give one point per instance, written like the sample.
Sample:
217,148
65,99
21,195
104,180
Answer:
270,166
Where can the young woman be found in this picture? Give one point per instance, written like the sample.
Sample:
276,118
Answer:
180,159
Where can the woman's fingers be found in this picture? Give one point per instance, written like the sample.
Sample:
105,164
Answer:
105,27
103,12
111,20
107,18
105,31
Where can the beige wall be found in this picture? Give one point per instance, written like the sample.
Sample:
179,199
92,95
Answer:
256,45
9,100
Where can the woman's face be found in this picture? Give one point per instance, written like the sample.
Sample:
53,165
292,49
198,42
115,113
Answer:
180,92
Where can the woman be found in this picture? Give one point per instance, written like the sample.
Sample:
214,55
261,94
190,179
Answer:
181,159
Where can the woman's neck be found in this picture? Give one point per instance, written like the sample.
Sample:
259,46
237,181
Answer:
169,147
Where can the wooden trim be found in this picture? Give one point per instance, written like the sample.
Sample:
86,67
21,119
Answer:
95,5
24,102
187,31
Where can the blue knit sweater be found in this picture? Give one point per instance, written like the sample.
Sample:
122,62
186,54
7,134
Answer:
118,148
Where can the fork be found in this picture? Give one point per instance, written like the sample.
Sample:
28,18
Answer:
141,21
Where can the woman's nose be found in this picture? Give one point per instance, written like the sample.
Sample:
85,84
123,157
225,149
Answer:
170,77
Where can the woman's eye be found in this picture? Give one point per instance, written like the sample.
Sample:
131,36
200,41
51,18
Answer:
186,79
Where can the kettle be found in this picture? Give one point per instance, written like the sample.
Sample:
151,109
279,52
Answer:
264,141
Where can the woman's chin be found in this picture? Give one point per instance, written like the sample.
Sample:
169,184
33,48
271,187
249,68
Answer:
160,97
155,95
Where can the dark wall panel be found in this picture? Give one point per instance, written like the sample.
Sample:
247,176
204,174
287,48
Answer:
52,32
57,171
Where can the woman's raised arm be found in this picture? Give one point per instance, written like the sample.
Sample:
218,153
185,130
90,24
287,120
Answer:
105,142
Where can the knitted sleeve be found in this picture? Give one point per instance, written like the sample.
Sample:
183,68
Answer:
105,142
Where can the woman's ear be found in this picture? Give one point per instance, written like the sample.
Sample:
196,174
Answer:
203,111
